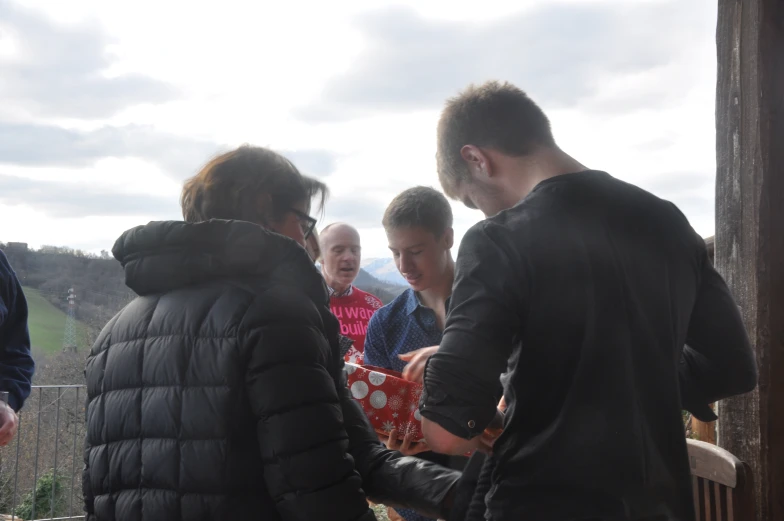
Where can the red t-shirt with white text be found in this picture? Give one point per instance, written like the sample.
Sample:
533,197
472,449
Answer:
354,312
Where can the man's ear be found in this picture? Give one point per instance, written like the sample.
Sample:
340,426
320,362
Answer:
449,238
477,160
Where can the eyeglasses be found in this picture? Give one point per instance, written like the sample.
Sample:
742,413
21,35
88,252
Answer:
306,222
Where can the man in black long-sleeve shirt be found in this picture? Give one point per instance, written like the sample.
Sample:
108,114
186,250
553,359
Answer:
601,299
16,363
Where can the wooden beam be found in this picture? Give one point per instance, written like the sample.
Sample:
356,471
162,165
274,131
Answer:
750,228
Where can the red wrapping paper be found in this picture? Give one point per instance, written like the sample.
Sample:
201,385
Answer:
388,401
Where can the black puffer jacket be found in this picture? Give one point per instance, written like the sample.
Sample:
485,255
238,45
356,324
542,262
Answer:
219,393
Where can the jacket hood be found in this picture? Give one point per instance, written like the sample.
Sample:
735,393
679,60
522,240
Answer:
165,255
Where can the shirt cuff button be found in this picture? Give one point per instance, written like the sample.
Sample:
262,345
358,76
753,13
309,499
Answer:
471,424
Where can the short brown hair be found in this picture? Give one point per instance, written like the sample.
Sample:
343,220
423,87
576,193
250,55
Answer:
420,206
248,184
494,115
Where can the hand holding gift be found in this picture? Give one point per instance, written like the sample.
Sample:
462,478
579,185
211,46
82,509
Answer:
415,368
390,403
407,446
415,372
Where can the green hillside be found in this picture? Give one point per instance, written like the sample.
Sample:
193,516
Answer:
47,323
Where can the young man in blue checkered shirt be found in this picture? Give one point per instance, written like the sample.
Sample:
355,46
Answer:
418,224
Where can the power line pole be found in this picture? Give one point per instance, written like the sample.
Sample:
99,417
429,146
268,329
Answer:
69,339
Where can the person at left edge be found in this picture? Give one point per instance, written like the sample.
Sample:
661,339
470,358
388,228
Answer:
16,362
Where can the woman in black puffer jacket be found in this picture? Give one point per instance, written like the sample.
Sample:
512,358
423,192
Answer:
219,393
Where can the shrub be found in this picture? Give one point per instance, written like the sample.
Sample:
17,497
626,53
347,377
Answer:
47,483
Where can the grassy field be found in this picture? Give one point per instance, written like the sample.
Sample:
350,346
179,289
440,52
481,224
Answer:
47,323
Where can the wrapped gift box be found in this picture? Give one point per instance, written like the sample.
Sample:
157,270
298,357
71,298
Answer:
389,401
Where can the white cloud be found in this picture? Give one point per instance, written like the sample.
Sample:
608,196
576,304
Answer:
639,104
53,70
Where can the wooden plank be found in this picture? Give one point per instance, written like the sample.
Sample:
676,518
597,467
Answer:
730,505
749,240
718,508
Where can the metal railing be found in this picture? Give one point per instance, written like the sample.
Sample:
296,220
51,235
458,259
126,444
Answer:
41,470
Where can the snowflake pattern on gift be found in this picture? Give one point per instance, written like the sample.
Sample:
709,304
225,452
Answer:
378,399
395,402
359,389
376,378
385,400
394,383
409,428
416,393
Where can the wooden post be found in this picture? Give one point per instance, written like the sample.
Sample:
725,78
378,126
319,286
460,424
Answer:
750,228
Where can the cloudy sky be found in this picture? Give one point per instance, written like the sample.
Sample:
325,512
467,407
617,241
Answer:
107,106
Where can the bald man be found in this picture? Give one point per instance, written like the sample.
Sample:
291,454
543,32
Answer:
341,253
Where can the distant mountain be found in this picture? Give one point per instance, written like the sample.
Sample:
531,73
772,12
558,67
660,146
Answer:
384,269
384,290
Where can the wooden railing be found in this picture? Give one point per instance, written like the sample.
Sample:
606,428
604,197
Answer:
40,471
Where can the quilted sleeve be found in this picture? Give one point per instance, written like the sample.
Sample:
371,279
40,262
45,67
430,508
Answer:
299,422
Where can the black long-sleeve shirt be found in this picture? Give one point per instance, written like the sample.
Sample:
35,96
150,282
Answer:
589,289
16,362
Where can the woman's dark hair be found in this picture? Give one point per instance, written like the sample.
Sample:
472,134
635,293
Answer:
249,184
